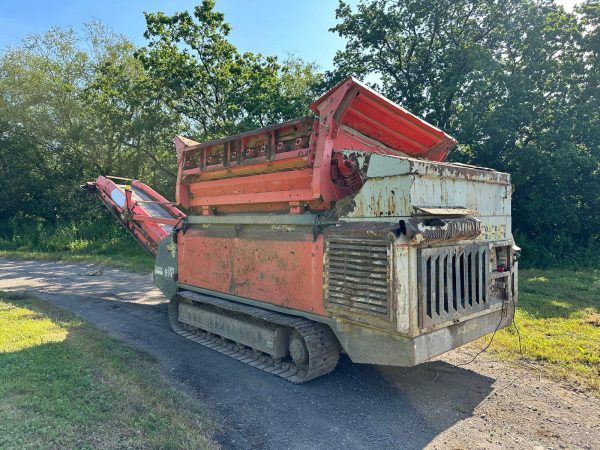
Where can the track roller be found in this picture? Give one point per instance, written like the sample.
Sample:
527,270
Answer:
293,348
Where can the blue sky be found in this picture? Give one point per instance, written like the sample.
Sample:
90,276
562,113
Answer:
265,26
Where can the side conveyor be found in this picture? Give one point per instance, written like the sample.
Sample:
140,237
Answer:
146,214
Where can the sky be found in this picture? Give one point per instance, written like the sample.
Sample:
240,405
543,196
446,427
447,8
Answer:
270,27
264,26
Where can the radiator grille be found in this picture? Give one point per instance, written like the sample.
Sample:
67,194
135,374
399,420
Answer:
358,275
453,282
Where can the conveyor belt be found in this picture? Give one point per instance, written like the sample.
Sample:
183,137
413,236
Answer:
152,209
146,214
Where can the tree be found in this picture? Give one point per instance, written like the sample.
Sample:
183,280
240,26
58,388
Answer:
41,117
73,107
200,75
129,128
512,80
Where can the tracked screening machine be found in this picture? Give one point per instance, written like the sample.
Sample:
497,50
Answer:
343,232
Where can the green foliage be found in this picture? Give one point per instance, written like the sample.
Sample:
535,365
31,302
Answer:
98,240
516,82
98,236
77,105
32,178
198,73
129,129
68,115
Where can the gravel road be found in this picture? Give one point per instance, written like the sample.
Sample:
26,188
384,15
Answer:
486,404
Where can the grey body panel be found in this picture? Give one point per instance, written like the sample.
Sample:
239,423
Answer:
165,267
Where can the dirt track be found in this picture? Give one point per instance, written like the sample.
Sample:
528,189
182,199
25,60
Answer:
486,404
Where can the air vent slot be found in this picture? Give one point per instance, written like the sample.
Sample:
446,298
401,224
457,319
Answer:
358,276
453,282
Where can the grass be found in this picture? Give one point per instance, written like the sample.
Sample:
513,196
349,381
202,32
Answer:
137,261
65,384
558,318
101,241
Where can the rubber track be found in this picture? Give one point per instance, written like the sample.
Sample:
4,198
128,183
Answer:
322,345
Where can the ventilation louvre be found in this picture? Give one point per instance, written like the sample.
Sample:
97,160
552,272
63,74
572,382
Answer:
358,275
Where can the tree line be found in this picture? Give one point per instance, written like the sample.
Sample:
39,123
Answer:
515,81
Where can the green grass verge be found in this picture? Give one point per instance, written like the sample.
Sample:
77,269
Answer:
558,318
137,262
66,384
101,241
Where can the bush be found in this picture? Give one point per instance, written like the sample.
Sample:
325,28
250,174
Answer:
562,251
100,236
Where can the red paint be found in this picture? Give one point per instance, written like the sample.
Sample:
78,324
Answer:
286,273
136,217
289,163
286,168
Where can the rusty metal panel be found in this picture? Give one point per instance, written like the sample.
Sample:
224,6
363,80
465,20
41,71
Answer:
427,231
453,282
275,266
359,277
384,166
401,187
447,212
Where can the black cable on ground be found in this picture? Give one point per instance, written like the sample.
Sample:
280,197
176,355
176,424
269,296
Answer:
494,335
